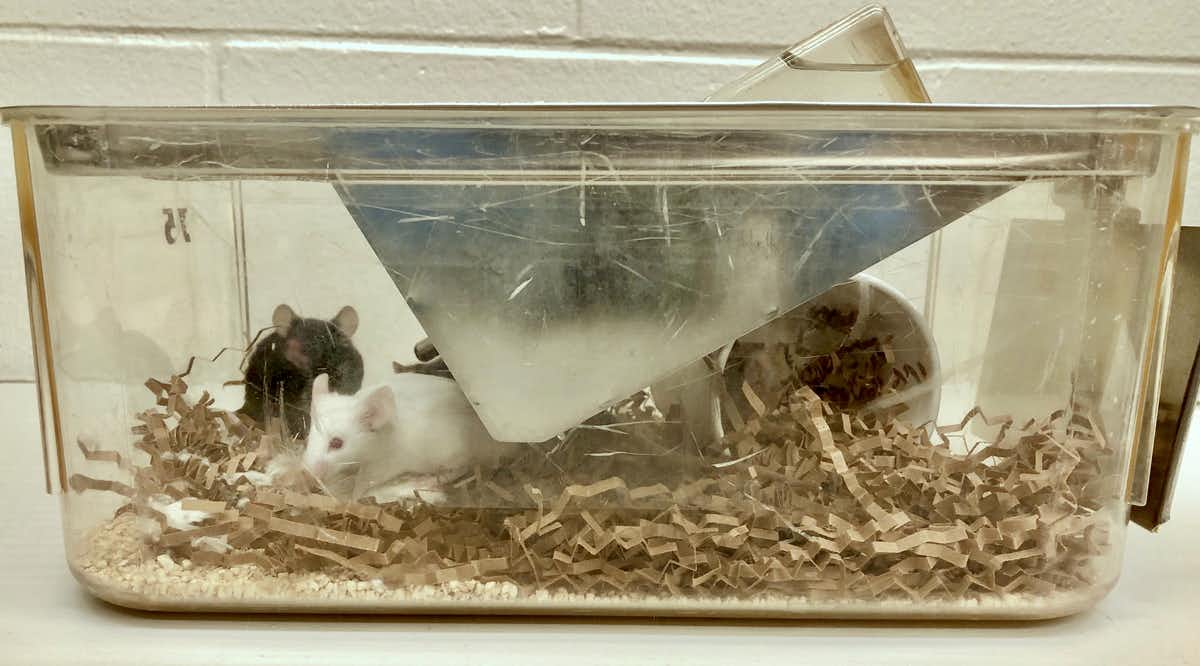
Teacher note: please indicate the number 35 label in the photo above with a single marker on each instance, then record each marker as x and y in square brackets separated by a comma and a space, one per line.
[176, 219]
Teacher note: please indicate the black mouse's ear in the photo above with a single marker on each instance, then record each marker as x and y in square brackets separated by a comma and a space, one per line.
[346, 320]
[283, 318]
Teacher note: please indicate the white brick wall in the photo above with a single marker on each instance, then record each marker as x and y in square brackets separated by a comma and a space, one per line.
[299, 51]
[1165, 29]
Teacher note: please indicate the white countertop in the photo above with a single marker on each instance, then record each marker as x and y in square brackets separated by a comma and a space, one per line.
[1152, 617]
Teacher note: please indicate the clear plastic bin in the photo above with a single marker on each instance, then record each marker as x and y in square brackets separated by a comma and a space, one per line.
[645, 359]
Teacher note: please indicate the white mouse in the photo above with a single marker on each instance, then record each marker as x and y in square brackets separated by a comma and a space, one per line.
[411, 433]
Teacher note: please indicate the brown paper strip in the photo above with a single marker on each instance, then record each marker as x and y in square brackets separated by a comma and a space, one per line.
[357, 567]
[79, 483]
[186, 536]
[208, 506]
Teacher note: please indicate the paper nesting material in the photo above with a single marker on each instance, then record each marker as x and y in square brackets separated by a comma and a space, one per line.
[804, 498]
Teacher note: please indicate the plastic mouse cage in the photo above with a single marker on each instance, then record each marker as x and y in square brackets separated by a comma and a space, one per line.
[742, 359]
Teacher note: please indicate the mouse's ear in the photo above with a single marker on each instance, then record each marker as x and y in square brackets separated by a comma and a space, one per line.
[346, 320]
[378, 408]
[283, 318]
[320, 386]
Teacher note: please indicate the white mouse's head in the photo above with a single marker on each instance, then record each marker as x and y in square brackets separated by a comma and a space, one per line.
[347, 432]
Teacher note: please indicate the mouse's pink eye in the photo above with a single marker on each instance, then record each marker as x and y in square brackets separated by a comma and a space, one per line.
[335, 443]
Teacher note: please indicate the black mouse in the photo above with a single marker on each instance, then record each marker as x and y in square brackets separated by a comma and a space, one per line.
[281, 369]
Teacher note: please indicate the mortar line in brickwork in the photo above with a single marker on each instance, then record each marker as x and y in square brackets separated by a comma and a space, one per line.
[492, 51]
[214, 60]
[1052, 58]
[750, 50]
[46, 35]
[531, 42]
[530, 36]
[526, 45]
